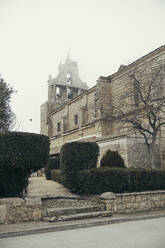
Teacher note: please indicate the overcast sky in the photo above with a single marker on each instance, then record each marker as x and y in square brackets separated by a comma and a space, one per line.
[100, 35]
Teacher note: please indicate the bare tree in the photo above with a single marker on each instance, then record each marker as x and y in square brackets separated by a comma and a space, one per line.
[7, 117]
[142, 106]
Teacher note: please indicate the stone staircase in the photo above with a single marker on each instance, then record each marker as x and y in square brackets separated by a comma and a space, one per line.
[71, 208]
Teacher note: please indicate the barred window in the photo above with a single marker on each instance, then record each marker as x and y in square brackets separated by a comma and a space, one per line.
[58, 126]
[75, 119]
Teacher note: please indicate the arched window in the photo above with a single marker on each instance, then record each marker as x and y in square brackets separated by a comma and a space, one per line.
[68, 78]
[57, 92]
[69, 93]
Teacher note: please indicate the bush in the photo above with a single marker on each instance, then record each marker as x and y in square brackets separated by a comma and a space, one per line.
[53, 163]
[21, 154]
[56, 176]
[100, 180]
[112, 159]
[119, 180]
[74, 157]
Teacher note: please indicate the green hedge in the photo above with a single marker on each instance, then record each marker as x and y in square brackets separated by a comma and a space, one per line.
[112, 159]
[56, 176]
[21, 154]
[100, 180]
[74, 157]
[53, 163]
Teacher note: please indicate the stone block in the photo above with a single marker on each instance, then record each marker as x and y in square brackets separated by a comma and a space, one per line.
[156, 198]
[109, 206]
[132, 199]
[136, 205]
[3, 214]
[121, 207]
[157, 204]
[12, 201]
[108, 196]
[118, 200]
[36, 214]
[33, 201]
[138, 198]
[129, 205]
[125, 199]
[144, 205]
[162, 197]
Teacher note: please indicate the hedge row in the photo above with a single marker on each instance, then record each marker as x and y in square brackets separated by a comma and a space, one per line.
[100, 180]
[74, 157]
[112, 159]
[20, 155]
[53, 163]
[57, 176]
[79, 173]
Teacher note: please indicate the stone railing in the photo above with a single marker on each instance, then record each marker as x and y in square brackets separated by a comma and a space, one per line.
[134, 202]
[14, 209]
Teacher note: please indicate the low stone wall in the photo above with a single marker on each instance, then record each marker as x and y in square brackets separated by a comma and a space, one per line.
[14, 209]
[134, 202]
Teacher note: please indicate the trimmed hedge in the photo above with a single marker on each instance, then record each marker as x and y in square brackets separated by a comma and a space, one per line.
[53, 163]
[20, 155]
[56, 176]
[100, 180]
[76, 156]
[112, 159]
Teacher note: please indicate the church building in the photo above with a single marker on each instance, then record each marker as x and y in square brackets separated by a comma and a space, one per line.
[74, 112]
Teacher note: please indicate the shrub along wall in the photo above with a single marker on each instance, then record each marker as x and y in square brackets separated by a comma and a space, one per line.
[112, 159]
[57, 176]
[20, 154]
[53, 163]
[76, 156]
[100, 180]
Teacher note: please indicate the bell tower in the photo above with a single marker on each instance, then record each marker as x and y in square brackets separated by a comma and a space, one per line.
[66, 85]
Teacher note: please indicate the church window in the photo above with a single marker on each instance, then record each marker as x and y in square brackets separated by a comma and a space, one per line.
[79, 92]
[57, 92]
[68, 77]
[58, 127]
[76, 119]
[69, 93]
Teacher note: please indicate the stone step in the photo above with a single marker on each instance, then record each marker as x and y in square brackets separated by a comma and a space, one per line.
[50, 212]
[66, 202]
[79, 216]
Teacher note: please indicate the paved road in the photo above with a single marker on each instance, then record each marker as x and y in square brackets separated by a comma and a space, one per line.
[136, 234]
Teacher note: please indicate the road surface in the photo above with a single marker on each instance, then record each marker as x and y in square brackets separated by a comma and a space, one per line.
[135, 234]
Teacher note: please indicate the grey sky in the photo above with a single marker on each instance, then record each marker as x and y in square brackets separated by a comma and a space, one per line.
[100, 34]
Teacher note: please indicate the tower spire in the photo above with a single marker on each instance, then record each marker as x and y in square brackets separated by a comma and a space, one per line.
[68, 54]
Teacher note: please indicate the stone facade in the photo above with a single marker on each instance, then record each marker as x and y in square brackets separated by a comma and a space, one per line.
[134, 202]
[14, 210]
[86, 114]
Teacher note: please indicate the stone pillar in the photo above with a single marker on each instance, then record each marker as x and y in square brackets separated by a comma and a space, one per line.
[109, 198]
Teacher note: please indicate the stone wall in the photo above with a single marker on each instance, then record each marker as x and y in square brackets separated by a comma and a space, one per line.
[14, 209]
[133, 151]
[117, 144]
[44, 118]
[88, 127]
[138, 155]
[134, 202]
